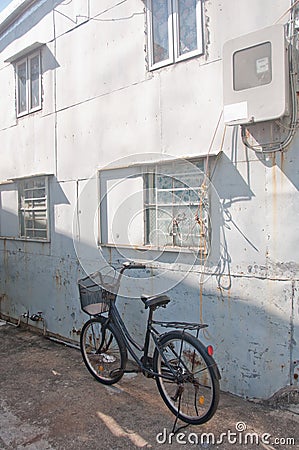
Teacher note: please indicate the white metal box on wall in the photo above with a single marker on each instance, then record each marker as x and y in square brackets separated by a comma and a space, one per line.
[255, 77]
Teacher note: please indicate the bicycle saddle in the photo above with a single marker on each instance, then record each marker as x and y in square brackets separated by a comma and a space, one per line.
[155, 300]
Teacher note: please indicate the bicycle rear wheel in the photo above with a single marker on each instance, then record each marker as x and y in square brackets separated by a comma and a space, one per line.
[190, 387]
[103, 350]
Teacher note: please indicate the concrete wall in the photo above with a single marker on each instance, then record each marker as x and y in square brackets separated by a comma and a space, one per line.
[100, 105]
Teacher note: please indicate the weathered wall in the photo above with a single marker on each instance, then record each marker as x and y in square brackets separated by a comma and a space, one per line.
[100, 104]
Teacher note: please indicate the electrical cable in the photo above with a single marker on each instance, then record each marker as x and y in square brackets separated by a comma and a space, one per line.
[287, 11]
[280, 146]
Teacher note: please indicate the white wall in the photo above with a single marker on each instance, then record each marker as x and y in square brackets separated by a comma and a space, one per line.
[101, 104]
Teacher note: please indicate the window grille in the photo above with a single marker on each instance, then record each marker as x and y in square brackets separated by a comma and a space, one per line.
[177, 207]
[166, 206]
[33, 208]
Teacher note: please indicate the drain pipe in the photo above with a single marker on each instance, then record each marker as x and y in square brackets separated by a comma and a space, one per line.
[61, 341]
[39, 318]
[22, 316]
[34, 317]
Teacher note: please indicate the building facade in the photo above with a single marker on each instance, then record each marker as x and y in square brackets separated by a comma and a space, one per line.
[116, 144]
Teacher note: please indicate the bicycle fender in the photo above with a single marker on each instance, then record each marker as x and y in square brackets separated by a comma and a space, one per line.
[214, 367]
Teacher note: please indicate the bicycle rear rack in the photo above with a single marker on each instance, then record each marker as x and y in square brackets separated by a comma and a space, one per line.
[180, 325]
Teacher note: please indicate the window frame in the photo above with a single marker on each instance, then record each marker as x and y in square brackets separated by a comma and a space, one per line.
[173, 35]
[145, 170]
[21, 209]
[152, 202]
[28, 86]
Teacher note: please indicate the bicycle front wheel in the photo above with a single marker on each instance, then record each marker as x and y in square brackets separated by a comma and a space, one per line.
[187, 383]
[103, 350]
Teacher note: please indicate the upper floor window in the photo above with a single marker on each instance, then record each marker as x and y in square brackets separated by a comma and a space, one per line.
[28, 84]
[175, 31]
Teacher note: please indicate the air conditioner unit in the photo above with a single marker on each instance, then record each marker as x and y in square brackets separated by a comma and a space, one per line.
[256, 77]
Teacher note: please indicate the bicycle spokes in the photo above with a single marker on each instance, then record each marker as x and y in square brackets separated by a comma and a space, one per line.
[103, 352]
[187, 382]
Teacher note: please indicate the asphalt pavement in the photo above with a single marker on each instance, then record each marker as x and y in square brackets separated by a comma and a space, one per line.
[48, 400]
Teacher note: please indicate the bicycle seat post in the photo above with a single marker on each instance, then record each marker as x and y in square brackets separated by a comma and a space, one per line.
[148, 334]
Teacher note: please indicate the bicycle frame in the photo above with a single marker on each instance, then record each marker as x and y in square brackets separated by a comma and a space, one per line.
[151, 332]
[178, 356]
[115, 317]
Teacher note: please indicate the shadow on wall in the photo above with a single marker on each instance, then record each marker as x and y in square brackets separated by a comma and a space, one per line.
[287, 161]
[49, 62]
[250, 334]
[230, 188]
[253, 337]
[28, 21]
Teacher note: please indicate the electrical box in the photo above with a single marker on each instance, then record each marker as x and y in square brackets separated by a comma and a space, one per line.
[256, 77]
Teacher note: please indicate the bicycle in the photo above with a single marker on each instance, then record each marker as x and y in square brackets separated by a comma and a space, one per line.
[185, 372]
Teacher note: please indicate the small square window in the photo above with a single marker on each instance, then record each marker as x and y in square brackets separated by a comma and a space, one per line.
[33, 208]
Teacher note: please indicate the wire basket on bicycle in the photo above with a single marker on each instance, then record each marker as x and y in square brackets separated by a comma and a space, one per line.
[96, 293]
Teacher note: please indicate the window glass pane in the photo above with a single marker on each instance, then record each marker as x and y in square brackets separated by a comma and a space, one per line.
[164, 197]
[150, 215]
[22, 80]
[187, 26]
[252, 67]
[177, 215]
[33, 208]
[34, 82]
[160, 36]
[41, 234]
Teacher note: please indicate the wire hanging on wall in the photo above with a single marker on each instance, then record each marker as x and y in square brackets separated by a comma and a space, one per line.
[291, 128]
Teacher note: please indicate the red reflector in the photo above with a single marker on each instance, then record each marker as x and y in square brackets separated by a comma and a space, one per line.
[210, 350]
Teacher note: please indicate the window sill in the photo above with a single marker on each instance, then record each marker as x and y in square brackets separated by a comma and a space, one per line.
[13, 238]
[145, 248]
[167, 63]
[29, 113]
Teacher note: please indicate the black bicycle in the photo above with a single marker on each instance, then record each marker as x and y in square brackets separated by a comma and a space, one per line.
[185, 372]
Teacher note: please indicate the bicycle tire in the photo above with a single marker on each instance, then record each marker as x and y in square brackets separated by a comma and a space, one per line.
[103, 350]
[192, 390]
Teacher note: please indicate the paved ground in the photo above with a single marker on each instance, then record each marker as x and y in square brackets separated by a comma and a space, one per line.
[49, 401]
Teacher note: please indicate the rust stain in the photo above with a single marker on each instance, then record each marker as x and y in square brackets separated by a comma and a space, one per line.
[281, 169]
[229, 301]
[58, 279]
[274, 195]
[192, 358]
[5, 256]
[282, 160]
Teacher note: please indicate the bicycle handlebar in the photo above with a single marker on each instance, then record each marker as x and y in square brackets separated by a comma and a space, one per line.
[132, 265]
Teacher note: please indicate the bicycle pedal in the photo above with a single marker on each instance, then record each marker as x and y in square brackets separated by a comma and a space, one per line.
[147, 374]
[137, 370]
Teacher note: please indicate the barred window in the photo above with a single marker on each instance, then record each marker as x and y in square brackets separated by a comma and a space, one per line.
[33, 208]
[177, 206]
